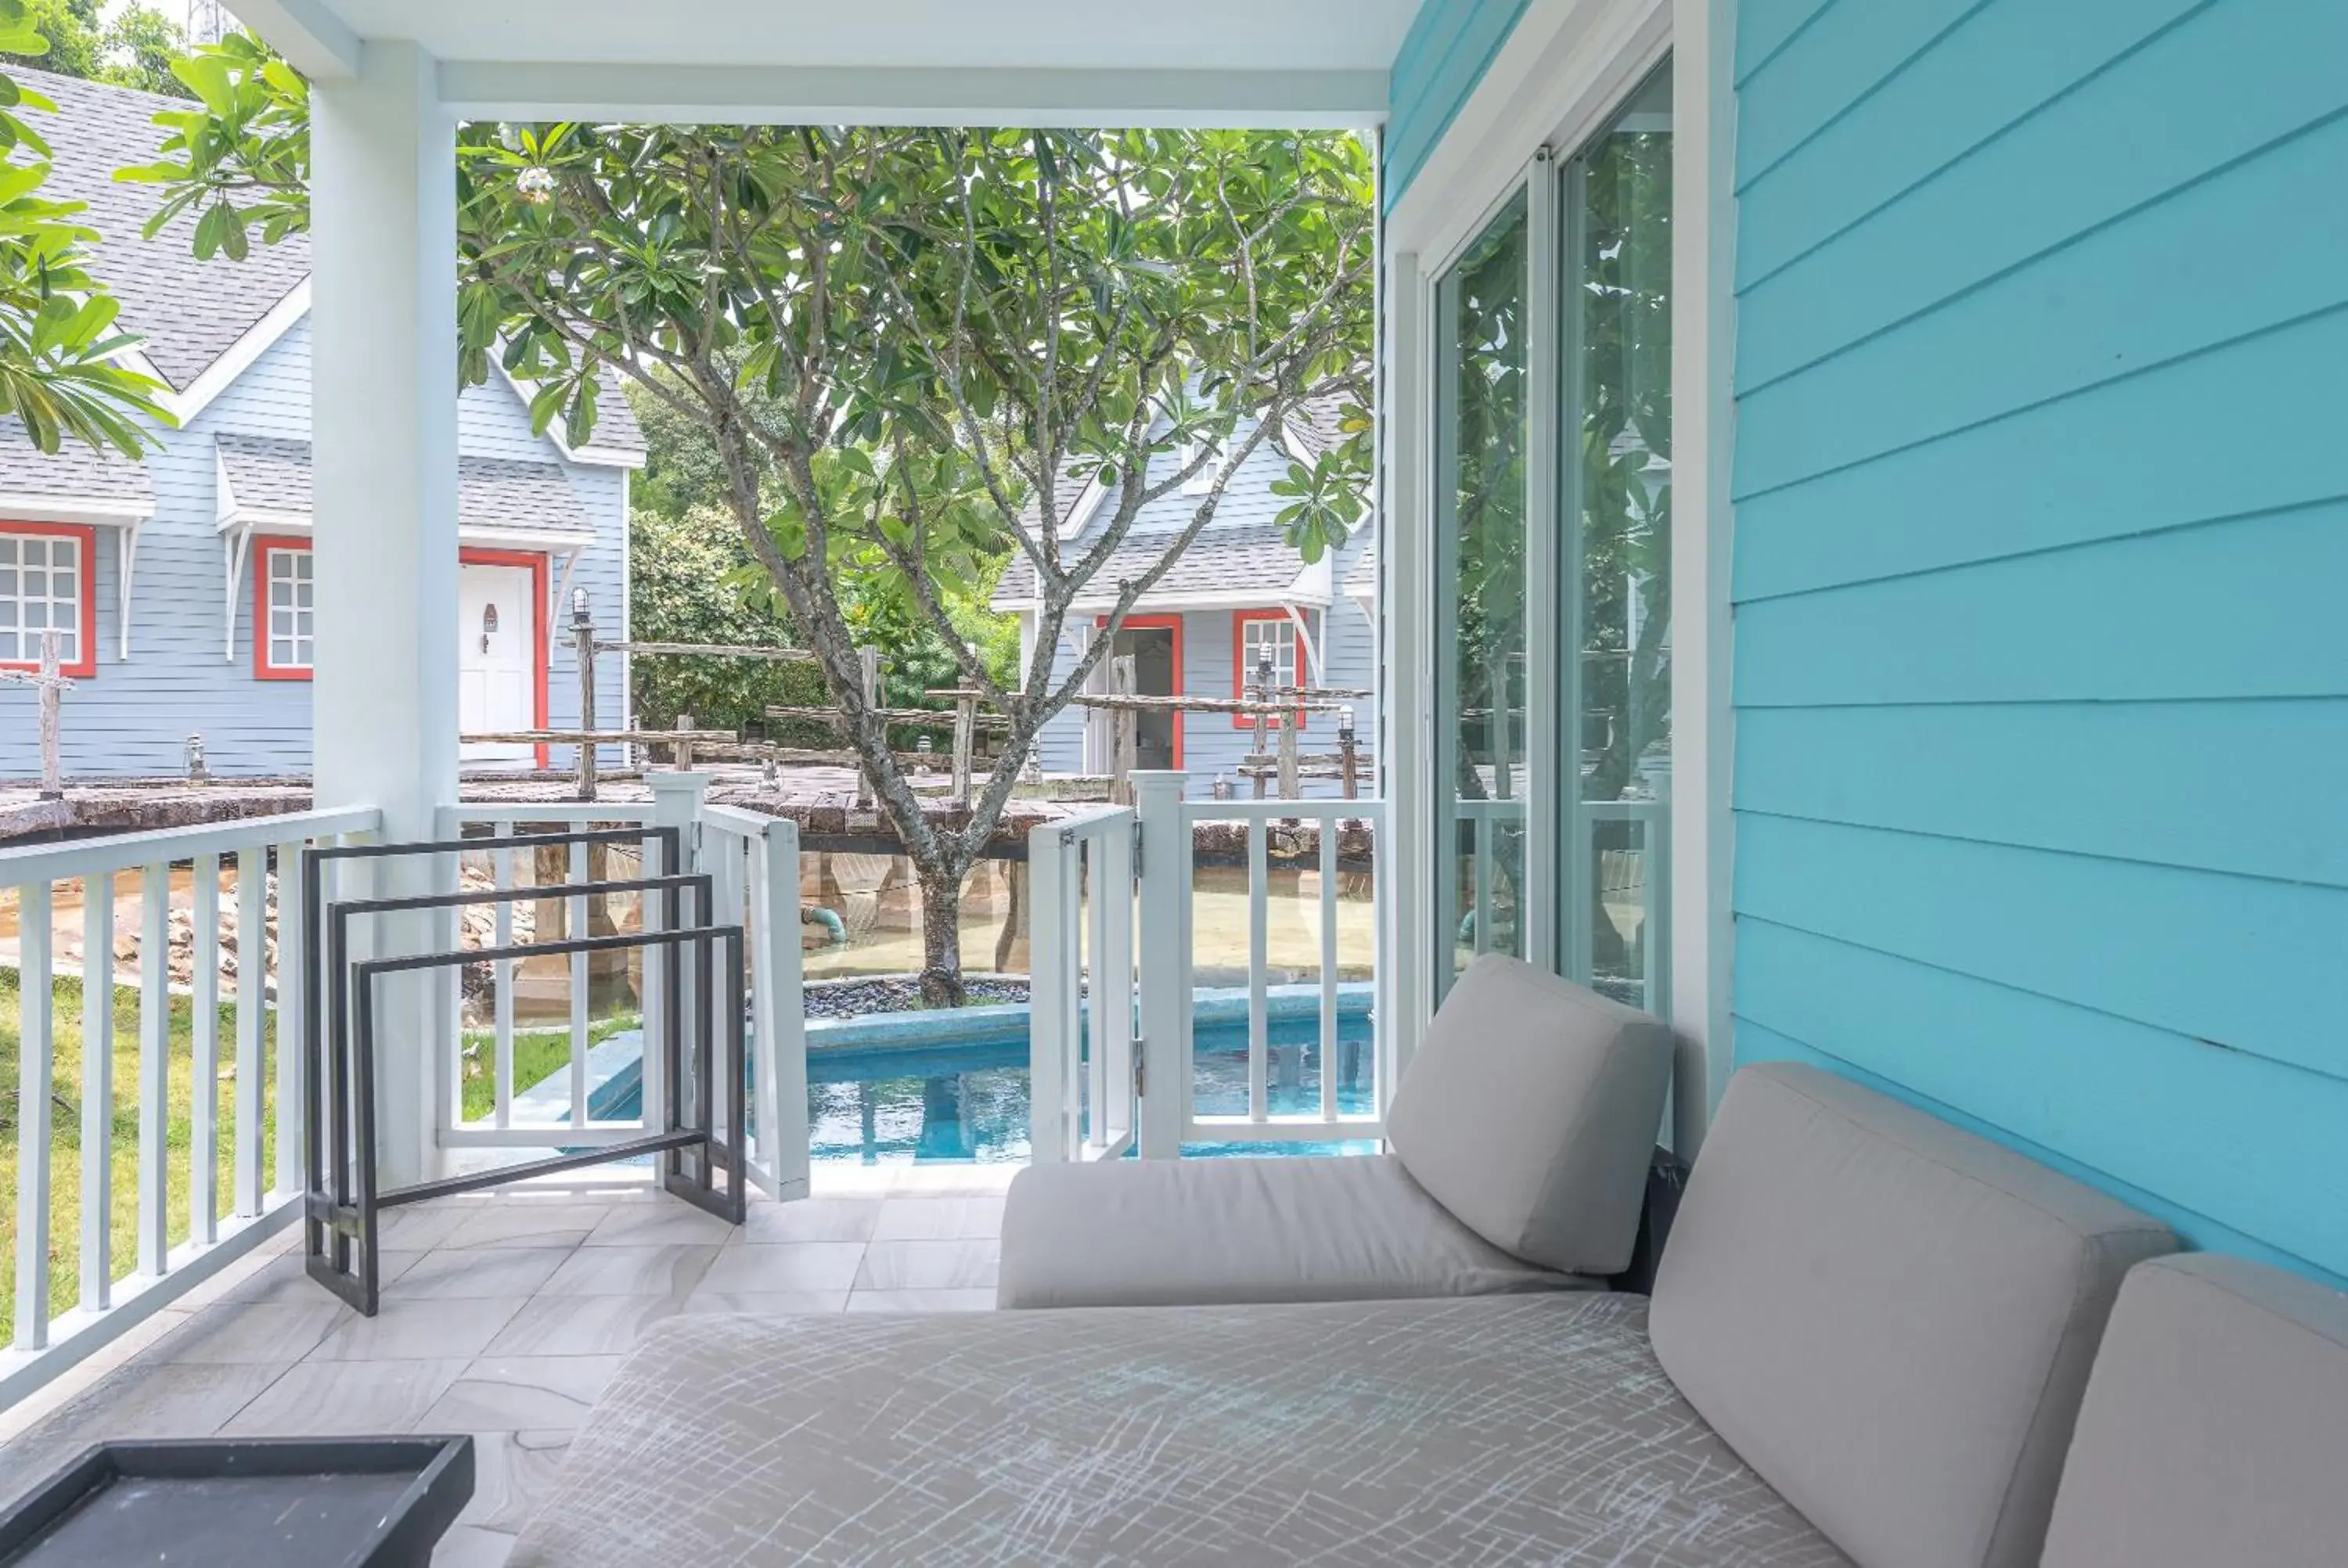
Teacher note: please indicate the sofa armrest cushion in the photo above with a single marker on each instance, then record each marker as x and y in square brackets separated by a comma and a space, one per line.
[1530, 1109]
[1887, 1317]
[1168, 1233]
[2216, 1425]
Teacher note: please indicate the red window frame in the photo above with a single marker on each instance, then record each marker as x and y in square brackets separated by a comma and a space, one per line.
[263, 547]
[535, 561]
[83, 667]
[1172, 623]
[1240, 620]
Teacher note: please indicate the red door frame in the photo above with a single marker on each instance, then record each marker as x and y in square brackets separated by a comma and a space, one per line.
[535, 561]
[85, 667]
[1172, 623]
[259, 548]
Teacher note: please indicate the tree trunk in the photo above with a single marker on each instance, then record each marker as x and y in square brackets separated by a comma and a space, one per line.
[942, 981]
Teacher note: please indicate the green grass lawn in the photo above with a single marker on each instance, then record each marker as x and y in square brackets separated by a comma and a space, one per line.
[65, 1144]
[538, 1054]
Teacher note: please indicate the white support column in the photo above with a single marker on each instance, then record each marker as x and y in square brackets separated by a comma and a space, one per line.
[1703, 218]
[1406, 750]
[1162, 961]
[383, 418]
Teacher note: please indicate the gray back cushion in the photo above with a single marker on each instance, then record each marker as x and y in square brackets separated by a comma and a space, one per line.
[1889, 1320]
[1530, 1109]
[2216, 1425]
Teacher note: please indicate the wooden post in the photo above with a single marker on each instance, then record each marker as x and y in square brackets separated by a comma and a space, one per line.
[1290, 788]
[965, 733]
[1125, 727]
[53, 772]
[1349, 762]
[1260, 691]
[869, 663]
[680, 756]
[583, 644]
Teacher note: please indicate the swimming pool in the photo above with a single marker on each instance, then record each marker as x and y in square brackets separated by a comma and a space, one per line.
[875, 1097]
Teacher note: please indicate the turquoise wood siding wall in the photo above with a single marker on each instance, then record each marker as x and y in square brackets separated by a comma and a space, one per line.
[2042, 545]
[1442, 58]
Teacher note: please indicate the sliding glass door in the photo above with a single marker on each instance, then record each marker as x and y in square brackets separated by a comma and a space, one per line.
[1552, 541]
[1481, 782]
[1615, 512]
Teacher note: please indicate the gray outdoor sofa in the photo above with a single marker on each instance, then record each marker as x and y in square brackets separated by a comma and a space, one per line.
[1868, 1342]
[1520, 1135]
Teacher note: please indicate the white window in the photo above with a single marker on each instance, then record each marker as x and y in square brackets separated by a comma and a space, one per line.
[40, 592]
[1261, 638]
[1199, 483]
[293, 610]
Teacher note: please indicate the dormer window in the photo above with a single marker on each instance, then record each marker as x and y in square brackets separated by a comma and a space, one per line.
[1199, 483]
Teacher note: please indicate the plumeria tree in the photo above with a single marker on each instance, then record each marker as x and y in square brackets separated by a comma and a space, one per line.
[915, 349]
[60, 370]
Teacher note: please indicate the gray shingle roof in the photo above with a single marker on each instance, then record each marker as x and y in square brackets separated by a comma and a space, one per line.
[1364, 578]
[267, 474]
[72, 473]
[1238, 562]
[273, 476]
[189, 312]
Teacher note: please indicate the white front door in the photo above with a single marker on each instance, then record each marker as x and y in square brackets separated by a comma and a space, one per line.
[497, 658]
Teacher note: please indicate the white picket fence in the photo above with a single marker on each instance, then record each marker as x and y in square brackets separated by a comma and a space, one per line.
[265, 1173]
[1112, 946]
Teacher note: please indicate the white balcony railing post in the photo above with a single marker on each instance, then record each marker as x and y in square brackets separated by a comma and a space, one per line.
[778, 1011]
[1053, 1006]
[677, 803]
[36, 1061]
[97, 1089]
[1163, 961]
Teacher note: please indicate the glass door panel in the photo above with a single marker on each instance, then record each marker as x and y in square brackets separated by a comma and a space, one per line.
[1616, 513]
[1481, 782]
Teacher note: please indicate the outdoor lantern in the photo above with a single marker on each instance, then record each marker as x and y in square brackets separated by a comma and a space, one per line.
[579, 606]
[1345, 726]
[197, 771]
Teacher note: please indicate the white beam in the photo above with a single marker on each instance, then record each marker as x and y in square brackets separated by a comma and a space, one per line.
[318, 43]
[744, 95]
[1704, 232]
[384, 438]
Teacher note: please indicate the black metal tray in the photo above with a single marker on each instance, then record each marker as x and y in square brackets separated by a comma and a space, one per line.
[262, 1502]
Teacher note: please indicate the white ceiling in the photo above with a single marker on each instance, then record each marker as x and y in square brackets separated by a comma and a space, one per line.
[1181, 35]
[1067, 61]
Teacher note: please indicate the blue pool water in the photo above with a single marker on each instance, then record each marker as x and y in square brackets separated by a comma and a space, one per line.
[889, 1103]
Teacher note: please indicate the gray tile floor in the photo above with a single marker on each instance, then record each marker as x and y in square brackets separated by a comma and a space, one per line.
[503, 1316]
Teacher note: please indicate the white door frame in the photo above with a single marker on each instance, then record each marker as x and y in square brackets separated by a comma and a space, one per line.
[1562, 73]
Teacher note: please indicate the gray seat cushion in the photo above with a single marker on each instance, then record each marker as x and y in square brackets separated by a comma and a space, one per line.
[1889, 1320]
[1501, 1431]
[1530, 1111]
[2216, 1425]
[1149, 1232]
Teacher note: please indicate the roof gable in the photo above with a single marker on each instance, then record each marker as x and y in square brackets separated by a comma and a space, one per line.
[189, 312]
[205, 323]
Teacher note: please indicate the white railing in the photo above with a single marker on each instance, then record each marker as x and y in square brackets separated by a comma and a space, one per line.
[1651, 863]
[1169, 826]
[1081, 1088]
[566, 1120]
[265, 1164]
[1487, 820]
[752, 861]
[1498, 843]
